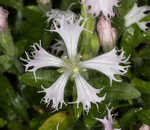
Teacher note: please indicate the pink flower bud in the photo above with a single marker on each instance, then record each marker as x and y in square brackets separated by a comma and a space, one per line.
[44, 2]
[107, 34]
[3, 19]
[144, 127]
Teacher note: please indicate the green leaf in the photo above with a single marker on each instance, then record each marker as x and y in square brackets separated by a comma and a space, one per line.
[128, 119]
[33, 16]
[6, 42]
[142, 86]
[11, 103]
[64, 119]
[44, 77]
[142, 70]
[12, 3]
[144, 116]
[125, 6]
[122, 91]
[5, 62]
[17, 125]
[132, 37]
[2, 122]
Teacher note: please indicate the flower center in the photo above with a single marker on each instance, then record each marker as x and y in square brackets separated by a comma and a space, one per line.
[71, 66]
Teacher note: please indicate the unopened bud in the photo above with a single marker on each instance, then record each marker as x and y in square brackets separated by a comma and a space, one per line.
[144, 127]
[3, 19]
[44, 2]
[45, 5]
[107, 34]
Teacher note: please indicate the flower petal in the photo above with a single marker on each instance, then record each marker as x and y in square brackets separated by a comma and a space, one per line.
[108, 123]
[55, 92]
[58, 14]
[135, 15]
[40, 59]
[86, 94]
[69, 29]
[98, 6]
[109, 64]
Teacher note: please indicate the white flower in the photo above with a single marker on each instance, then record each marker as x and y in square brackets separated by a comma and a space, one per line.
[107, 121]
[106, 33]
[70, 31]
[135, 15]
[95, 7]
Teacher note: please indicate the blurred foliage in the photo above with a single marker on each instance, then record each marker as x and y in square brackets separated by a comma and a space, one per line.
[20, 102]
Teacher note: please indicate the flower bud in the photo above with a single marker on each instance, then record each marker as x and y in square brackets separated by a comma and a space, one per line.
[144, 127]
[107, 34]
[3, 19]
[44, 2]
[45, 5]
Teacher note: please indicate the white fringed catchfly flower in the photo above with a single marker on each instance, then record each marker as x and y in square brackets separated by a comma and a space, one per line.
[107, 121]
[135, 15]
[95, 7]
[70, 29]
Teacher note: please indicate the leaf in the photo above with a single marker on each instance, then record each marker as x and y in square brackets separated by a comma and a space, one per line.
[11, 103]
[125, 6]
[33, 16]
[143, 70]
[12, 3]
[5, 62]
[64, 119]
[128, 119]
[144, 116]
[44, 77]
[122, 91]
[17, 125]
[6, 42]
[142, 86]
[132, 37]
[2, 122]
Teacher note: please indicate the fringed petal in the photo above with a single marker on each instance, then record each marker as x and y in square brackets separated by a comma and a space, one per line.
[108, 123]
[109, 63]
[69, 29]
[135, 15]
[95, 7]
[40, 58]
[55, 92]
[86, 94]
